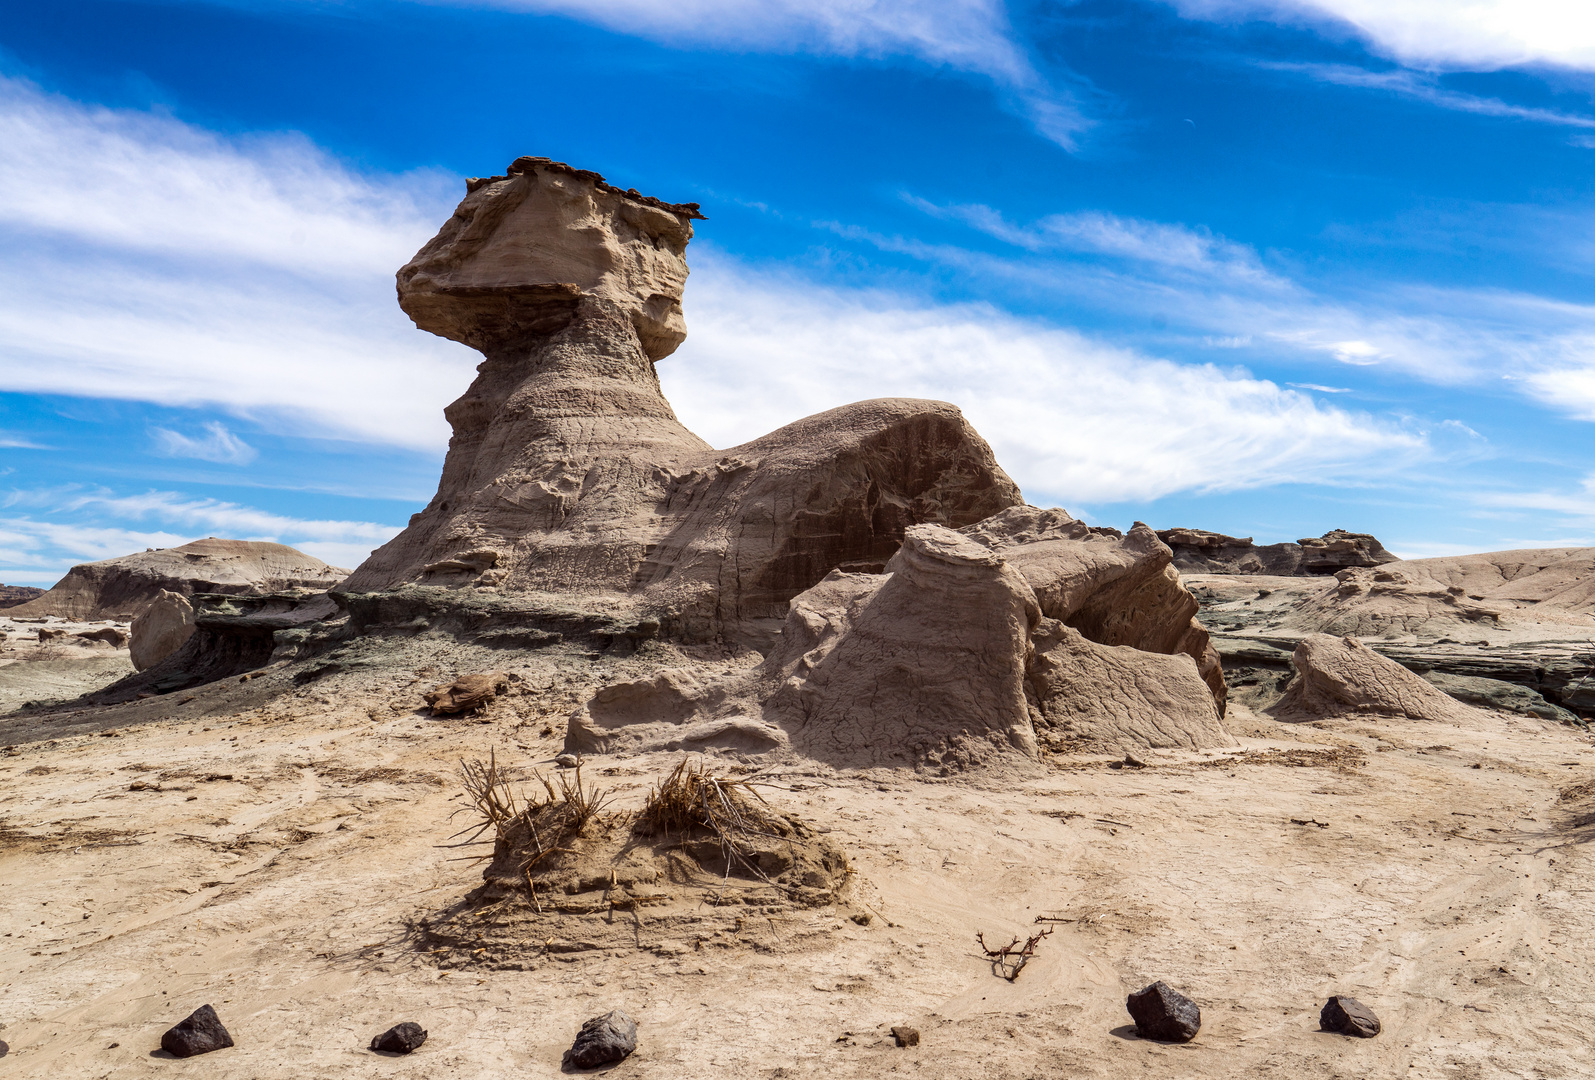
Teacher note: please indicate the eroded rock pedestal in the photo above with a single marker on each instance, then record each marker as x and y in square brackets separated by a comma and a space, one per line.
[568, 474]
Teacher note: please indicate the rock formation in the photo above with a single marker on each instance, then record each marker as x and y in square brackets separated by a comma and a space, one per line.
[13, 595]
[161, 629]
[947, 659]
[569, 475]
[121, 588]
[1197, 551]
[1338, 677]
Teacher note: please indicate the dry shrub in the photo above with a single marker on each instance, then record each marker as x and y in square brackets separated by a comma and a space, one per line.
[690, 798]
[560, 813]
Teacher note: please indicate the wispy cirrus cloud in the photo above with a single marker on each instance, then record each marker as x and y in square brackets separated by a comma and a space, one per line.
[1425, 87]
[218, 444]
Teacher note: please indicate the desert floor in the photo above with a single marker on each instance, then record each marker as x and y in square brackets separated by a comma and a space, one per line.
[268, 848]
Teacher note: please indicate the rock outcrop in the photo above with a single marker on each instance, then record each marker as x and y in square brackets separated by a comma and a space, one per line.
[569, 475]
[13, 595]
[1341, 677]
[121, 588]
[161, 629]
[1197, 551]
[946, 660]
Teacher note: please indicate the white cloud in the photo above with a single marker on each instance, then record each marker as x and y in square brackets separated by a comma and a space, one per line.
[217, 444]
[1470, 34]
[966, 35]
[1071, 419]
[187, 270]
[1423, 87]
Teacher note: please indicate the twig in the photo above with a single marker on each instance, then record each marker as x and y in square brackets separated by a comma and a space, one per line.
[1012, 954]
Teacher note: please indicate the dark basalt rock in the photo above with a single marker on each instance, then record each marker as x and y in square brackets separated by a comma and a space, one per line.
[603, 1040]
[201, 1033]
[400, 1039]
[1349, 1016]
[1163, 1013]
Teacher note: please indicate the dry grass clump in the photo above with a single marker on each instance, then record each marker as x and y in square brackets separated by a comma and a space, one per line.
[691, 798]
[561, 812]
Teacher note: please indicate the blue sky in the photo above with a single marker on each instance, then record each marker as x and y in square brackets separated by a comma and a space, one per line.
[1267, 267]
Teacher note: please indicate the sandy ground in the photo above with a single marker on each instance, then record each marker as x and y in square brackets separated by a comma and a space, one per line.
[271, 854]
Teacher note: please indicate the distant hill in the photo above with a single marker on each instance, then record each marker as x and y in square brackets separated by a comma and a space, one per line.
[12, 595]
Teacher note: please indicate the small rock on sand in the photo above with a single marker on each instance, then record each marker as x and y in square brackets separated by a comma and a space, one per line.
[1348, 1016]
[400, 1038]
[201, 1033]
[1163, 1013]
[906, 1036]
[603, 1040]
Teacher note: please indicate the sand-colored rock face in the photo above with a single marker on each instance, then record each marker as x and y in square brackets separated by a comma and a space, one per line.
[1338, 676]
[569, 473]
[121, 588]
[161, 629]
[944, 660]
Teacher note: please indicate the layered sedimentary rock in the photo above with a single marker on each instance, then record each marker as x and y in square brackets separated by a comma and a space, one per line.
[121, 588]
[13, 595]
[946, 659]
[1340, 676]
[568, 473]
[1197, 551]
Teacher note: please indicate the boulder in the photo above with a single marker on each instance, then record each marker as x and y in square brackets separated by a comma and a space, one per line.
[603, 1040]
[1348, 1016]
[1338, 677]
[402, 1038]
[114, 637]
[568, 472]
[1163, 1013]
[1197, 551]
[121, 588]
[161, 629]
[468, 693]
[905, 1036]
[201, 1033]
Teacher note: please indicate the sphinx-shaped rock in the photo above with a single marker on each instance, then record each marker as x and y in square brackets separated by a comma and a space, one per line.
[568, 472]
[944, 660]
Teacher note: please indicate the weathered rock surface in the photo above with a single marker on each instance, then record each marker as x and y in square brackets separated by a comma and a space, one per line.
[944, 660]
[1343, 677]
[121, 588]
[113, 636]
[1497, 694]
[201, 1033]
[603, 1040]
[1116, 589]
[161, 629]
[1197, 551]
[13, 595]
[1160, 1012]
[402, 1038]
[468, 693]
[569, 474]
[1348, 1016]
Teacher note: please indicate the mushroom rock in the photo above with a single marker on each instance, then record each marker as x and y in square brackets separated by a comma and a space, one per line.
[944, 659]
[568, 472]
[1337, 677]
[123, 587]
[1114, 589]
